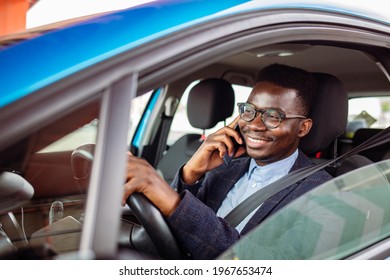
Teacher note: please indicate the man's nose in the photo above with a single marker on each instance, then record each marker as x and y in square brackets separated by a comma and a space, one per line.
[257, 123]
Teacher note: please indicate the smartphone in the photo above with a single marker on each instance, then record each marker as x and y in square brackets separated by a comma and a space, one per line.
[226, 158]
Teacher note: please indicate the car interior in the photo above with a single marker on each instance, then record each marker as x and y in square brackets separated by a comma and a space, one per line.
[343, 73]
[214, 97]
[351, 81]
[59, 176]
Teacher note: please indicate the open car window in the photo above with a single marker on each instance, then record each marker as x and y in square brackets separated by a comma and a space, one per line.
[333, 221]
[181, 125]
[88, 132]
[43, 199]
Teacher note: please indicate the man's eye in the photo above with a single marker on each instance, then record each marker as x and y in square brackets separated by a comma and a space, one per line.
[272, 116]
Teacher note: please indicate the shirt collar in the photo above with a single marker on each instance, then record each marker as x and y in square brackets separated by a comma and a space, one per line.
[278, 168]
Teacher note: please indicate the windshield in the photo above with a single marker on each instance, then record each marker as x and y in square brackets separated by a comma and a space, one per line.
[333, 221]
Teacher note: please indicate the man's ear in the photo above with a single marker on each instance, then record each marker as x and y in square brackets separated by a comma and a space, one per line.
[306, 125]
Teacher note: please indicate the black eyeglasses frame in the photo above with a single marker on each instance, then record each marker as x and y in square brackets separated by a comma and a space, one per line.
[282, 116]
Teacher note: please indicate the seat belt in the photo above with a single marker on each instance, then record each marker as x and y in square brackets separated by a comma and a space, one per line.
[242, 210]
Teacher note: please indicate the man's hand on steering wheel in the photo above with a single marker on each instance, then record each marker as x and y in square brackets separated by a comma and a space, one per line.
[141, 177]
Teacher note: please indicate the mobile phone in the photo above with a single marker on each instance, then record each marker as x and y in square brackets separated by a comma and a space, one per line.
[227, 158]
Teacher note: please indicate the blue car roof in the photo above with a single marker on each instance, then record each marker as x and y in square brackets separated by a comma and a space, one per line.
[60, 53]
[57, 54]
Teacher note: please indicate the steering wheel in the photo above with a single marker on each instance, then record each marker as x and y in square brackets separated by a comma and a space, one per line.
[146, 213]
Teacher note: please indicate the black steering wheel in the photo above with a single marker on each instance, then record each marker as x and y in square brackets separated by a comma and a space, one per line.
[146, 213]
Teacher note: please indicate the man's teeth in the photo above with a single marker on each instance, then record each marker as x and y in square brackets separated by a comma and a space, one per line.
[255, 140]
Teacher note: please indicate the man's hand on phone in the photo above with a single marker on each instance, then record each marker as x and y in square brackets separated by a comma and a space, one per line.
[211, 153]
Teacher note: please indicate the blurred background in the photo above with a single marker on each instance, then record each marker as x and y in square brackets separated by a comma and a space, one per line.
[18, 15]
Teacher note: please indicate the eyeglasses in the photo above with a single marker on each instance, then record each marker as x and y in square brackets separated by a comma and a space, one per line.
[270, 117]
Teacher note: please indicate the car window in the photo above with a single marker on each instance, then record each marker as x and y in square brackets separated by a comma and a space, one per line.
[87, 133]
[333, 221]
[181, 125]
[368, 112]
[42, 188]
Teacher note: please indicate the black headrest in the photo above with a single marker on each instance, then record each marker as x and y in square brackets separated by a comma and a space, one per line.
[209, 102]
[329, 113]
[363, 134]
[375, 154]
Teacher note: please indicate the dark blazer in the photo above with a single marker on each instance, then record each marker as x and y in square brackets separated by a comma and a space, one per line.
[202, 234]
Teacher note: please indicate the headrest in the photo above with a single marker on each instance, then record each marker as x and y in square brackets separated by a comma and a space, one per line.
[209, 102]
[363, 134]
[81, 163]
[375, 154]
[14, 191]
[329, 113]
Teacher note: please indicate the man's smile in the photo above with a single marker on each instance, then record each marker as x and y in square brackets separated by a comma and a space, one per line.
[257, 142]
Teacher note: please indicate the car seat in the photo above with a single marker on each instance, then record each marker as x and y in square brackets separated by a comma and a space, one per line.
[330, 116]
[209, 102]
[376, 154]
[350, 163]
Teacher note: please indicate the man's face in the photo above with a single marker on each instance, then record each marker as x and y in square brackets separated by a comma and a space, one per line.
[269, 145]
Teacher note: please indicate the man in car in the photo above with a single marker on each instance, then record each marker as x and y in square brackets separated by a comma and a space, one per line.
[205, 189]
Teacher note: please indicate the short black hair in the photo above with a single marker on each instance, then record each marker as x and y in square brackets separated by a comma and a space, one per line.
[294, 78]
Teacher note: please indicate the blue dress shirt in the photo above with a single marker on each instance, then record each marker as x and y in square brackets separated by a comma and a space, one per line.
[254, 179]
